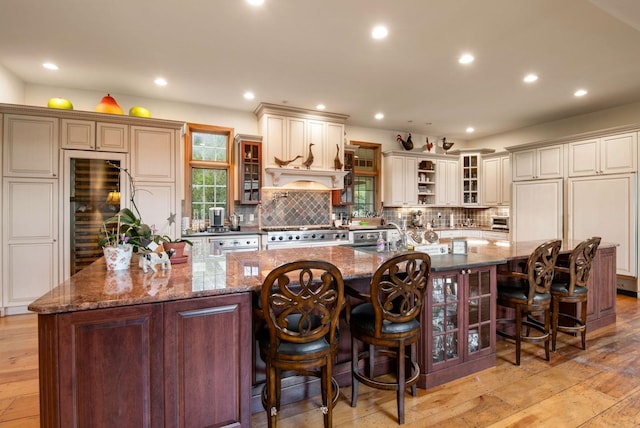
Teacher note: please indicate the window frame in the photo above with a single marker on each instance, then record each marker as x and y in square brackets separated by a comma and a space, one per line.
[376, 173]
[189, 163]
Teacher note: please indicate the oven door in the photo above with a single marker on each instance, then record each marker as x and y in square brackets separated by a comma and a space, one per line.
[220, 245]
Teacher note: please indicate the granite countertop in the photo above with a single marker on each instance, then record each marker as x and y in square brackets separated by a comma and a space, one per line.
[94, 287]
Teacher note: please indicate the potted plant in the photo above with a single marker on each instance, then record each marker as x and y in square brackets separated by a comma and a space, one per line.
[122, 235]
[177, 245]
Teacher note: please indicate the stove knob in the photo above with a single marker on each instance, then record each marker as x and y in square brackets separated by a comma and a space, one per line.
[273, 238]
[290, 237]
[313, 236]
[322, 236]
[297, 236]
[280, 238]
[248, 242]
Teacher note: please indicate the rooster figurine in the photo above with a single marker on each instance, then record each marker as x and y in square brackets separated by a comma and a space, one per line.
[282, 163]
[307, 163]
[429, 145]
[337, 163]
[408, 144]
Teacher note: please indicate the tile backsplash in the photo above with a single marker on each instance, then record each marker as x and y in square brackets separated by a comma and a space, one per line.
[295, 208]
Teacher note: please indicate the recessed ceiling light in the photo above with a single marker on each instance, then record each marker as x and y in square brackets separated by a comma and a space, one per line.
[249, 95]
[379, 32]
[466, 59]
[379, 116]
[321, 107]
[470, 129]
[580, 93]
[50, 66]
[530, 78]
[160, 81]
[255, 2]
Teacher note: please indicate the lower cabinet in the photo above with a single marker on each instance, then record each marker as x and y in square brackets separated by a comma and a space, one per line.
[177, 364]
[459, 318]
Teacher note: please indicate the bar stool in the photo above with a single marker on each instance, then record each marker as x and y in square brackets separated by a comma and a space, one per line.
[301, 302]
[389, 319]
[569, 287]
[528, 294]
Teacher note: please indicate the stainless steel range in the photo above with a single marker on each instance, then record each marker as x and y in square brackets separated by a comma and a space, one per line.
[306, 237]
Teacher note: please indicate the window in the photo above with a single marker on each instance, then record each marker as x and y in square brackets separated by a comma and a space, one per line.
[366, 178]
[208, 154]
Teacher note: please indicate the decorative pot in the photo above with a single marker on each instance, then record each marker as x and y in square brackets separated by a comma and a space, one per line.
[118, 258]
[177, 246]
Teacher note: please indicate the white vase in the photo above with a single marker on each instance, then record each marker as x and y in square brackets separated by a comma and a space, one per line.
[118, 258]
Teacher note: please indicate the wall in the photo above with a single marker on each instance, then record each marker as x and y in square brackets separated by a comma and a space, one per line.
[242, 122]
[618, 116]
[11, 88]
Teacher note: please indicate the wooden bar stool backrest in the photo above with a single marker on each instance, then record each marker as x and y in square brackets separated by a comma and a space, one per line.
[398, 288]
[580, 263]
[541, 268]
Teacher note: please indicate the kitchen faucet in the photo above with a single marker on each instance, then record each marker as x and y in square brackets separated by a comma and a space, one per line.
[406, 237]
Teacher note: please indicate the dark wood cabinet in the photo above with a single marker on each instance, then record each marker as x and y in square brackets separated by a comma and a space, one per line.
[601, 300]
[177, 364]
[207, 350]
[459, 318]
[249, 168]
[344, 196]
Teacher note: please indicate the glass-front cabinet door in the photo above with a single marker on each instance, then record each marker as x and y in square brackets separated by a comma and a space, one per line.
[446, 321]
[250, 171]
[470, 179]
[479, 309]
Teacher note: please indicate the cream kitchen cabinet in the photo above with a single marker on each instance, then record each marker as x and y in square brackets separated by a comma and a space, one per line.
[30, 245]
[538, 163]
[30, 146]
[153, 153]
[89, 135]
[157, 205]
[400, 180]
[289, 132]
[447, 182]
[613, 154]
[470, 164]
[496, 180]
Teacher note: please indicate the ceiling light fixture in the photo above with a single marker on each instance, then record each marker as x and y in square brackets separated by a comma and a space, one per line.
[379, 32]
[249, 95]
[379, 116]
[255, 2]
[466, 59]
[160, 81]
[470, 129]
[321, 107]
[530, 78]
[50, 66]
[580, 93]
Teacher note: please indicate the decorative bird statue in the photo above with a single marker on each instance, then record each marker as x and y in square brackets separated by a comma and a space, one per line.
[282, 163]
[337, 163]
[429, 145]
[307, 163]
[408, 144]
[445, 145]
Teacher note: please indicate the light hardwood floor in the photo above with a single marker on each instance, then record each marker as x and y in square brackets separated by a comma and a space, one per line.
[599, 387]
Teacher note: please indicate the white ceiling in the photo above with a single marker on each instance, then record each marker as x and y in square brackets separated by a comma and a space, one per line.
[303, 52]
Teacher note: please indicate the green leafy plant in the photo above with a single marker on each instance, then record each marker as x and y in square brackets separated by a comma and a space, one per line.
[126, 228]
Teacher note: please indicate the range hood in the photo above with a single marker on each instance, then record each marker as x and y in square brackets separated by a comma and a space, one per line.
[304, 178]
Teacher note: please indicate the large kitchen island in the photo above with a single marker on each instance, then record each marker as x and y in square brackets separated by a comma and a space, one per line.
[175, 348]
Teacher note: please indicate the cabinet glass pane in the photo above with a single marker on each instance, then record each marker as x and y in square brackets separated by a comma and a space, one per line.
[485, 336]
[451, 345]
[485, 309]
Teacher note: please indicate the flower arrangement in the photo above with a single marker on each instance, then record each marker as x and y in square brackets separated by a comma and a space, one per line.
[126, 228]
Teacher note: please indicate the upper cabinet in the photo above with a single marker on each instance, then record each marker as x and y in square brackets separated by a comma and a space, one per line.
[447, 182]
[90, 135]
[496, 180]
[400, 186]
[249, 168]
[153, 153]
[537, 164]
[608, 155]
[300, 138]
[470, 179]
[30, 146]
